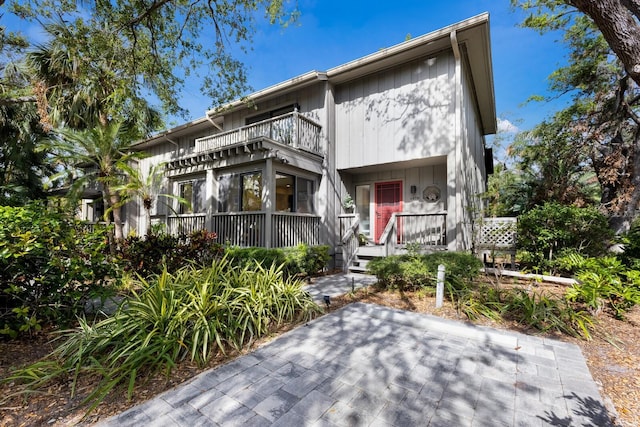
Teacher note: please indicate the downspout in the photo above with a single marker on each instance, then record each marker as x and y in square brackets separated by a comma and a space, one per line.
[456, 199]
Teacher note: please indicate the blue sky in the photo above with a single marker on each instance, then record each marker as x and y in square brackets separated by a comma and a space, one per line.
[333, 32]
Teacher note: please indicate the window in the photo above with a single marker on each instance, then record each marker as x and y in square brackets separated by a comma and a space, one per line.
[285, 189]
[293, 194]
[193, 192]
[363, 200]
[304, 192]
[240, 192]
[270, 114]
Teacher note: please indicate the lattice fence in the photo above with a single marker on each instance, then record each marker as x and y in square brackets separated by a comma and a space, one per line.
[497, 237]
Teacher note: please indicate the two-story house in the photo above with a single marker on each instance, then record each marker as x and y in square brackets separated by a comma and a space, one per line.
[400, 132]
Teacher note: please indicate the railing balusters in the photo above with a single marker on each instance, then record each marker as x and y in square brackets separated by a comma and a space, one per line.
[291, 129]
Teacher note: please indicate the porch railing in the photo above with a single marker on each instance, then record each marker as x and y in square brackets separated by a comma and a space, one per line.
[291, 129]
[240, 229]
[429, 231]
[249, 228]
[349, 240]
[288, 229]
[186, 224]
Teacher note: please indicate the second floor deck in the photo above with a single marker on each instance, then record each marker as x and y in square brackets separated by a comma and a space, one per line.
[292, 129]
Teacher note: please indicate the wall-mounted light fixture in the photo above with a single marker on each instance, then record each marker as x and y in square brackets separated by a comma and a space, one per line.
[414, 189]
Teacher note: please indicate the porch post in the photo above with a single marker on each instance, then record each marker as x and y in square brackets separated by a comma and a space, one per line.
[211, 188]
[268, 198]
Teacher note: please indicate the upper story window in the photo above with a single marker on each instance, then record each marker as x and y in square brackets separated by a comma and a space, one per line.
[193, 193]
[273, 113]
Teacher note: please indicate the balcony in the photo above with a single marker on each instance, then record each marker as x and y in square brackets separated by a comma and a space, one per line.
[293, 129]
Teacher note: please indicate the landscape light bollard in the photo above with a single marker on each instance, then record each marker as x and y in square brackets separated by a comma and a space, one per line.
[327, 300]
[440, 286]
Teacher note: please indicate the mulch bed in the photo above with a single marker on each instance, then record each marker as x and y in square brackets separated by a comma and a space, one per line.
[613, 357]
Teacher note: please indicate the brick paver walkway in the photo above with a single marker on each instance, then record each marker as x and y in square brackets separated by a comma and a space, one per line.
[367, 365]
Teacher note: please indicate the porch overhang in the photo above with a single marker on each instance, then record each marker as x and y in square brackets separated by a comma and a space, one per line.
[253, 151]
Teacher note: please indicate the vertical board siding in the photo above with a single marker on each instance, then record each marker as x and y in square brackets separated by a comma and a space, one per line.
[400, 114]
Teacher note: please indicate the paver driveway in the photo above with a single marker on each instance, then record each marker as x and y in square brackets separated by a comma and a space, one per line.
[367, 365]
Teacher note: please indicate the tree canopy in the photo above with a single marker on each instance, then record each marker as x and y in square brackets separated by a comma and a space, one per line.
[135, 49]
[599, 133]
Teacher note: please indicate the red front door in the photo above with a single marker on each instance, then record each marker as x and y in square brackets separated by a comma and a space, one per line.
[388, 199]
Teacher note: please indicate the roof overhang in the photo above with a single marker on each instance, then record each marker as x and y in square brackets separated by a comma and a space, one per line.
[170, 135]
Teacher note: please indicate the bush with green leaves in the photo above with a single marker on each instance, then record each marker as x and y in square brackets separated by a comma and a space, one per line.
[414, 271]
[545, 231]
[193, 314]
[301, 260]
[475, 299]
[631, 242]
[149, 254]
[48, 268]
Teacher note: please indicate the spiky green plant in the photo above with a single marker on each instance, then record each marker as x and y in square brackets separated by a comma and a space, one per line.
[194, 314]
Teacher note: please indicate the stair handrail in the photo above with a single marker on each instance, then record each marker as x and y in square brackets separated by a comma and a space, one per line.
[389, 231]
[350, 243]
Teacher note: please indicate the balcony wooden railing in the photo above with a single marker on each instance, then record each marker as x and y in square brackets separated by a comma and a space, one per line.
[240, 229]
[427, 230]
[291, 129]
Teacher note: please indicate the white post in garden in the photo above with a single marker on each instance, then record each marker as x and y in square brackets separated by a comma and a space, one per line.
[440, 286]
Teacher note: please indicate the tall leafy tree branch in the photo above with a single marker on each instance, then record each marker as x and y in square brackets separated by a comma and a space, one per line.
[601, 128]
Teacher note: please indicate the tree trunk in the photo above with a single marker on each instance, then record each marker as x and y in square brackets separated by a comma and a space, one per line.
[117, 216]
[615, 19]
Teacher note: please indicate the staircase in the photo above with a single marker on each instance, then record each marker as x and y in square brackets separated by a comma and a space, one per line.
[364, 254]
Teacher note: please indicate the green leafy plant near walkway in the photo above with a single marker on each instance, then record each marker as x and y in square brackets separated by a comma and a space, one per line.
[48, 268]
[475, 298]
[192, 314]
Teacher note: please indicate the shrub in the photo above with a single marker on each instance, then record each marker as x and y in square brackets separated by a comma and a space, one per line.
[48, 269]
[410, 272]
[194, 313]
[631, 242]
[150, 254]
[301, 260]
[546, 230]
[605, 283]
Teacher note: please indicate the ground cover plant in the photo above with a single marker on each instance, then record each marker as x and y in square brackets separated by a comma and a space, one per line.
[192, 314]
[603, 284]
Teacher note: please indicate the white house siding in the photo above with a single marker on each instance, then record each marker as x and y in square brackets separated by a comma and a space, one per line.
[400, 114]
[472, 172]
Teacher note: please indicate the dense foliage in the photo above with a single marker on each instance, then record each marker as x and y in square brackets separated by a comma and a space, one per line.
[48, 269]
[192, 314]
[414, 271]
[595, 139]
[301, 260]
[547, 230]
[150, 254]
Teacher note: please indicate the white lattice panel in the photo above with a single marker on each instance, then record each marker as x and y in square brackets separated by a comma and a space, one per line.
[497, 233]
